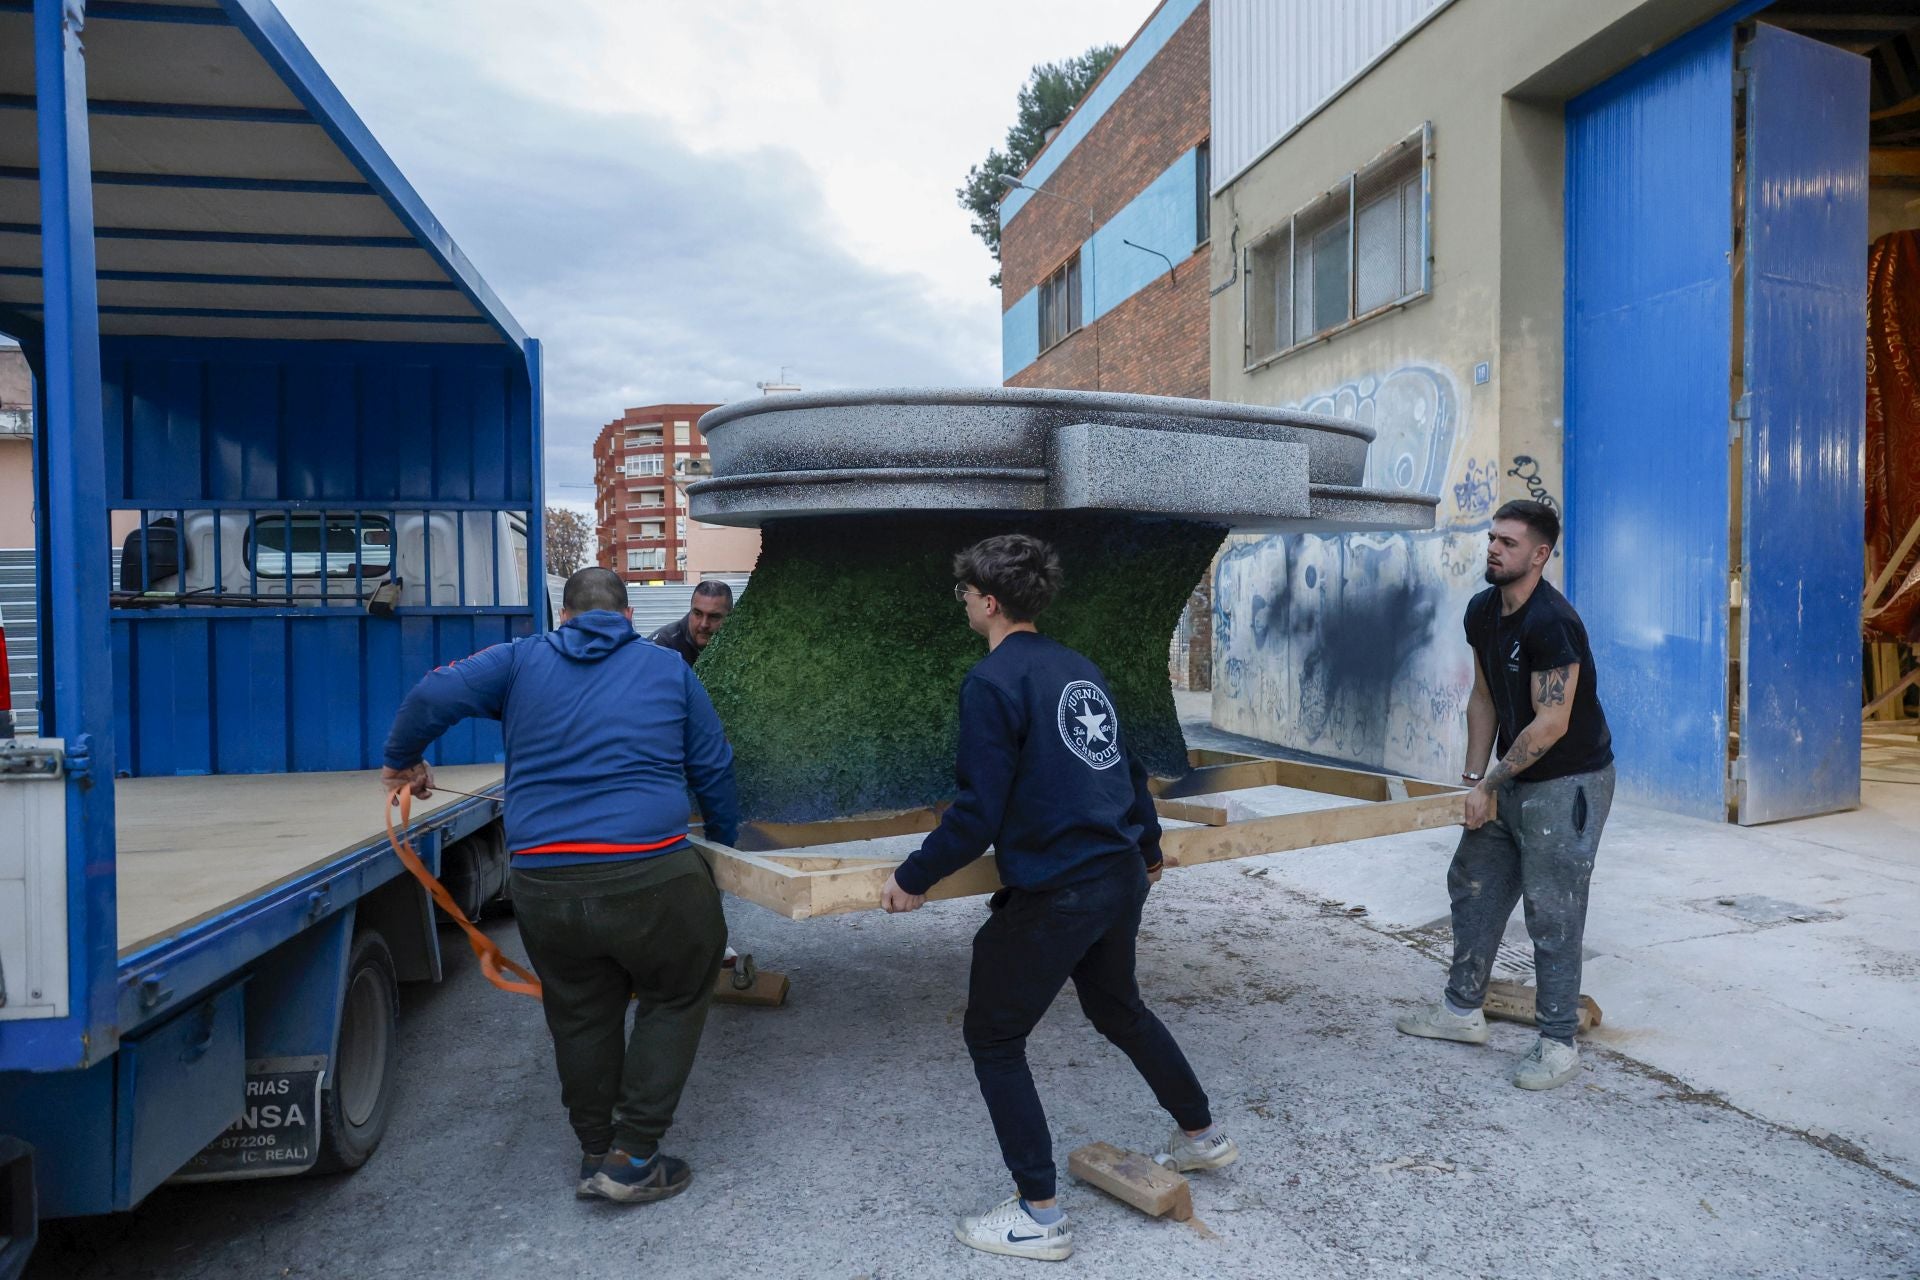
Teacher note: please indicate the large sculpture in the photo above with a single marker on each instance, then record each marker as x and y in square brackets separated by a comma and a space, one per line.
[838, 674]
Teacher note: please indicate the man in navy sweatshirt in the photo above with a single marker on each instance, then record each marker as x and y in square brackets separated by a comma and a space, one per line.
[1045, 777]
[604, 732]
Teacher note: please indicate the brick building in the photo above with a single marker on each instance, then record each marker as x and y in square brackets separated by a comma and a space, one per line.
[1104, 267]
[641, 516]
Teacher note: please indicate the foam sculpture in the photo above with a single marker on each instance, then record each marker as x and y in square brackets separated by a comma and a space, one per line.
[838, 675]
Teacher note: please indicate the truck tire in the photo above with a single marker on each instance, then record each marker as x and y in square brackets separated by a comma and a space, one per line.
[358, 1099]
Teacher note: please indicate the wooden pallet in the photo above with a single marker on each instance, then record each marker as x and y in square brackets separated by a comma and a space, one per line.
[776, 866]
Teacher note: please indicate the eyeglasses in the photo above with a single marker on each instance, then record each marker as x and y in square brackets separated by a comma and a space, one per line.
[961, 592]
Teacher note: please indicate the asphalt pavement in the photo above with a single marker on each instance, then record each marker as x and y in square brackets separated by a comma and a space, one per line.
[839, 1136]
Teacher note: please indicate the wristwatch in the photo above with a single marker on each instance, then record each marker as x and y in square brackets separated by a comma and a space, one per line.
[1472, 777]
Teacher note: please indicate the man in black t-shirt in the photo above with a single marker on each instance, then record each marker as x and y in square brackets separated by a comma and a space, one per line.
[1533, 821]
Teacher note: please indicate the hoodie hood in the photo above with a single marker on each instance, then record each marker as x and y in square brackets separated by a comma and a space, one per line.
[592, 635]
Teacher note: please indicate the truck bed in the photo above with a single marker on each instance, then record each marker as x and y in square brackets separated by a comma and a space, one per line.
[190, 848]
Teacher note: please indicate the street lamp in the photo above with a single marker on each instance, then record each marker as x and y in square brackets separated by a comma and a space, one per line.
[1093, 276]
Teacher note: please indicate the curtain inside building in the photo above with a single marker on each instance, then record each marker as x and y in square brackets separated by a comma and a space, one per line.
[1893, 434]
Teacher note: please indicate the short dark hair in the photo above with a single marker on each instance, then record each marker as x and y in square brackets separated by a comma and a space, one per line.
[1017, 569]
[712, 588]
[594, 588]
[1537, 516]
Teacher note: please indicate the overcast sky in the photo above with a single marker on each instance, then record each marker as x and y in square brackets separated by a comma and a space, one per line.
[679, 199]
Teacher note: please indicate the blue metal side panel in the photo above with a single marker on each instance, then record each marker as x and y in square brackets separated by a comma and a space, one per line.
[1162, 216]
[1020, 334]
[406, 427]
[1649, 340]
[77, 691]
[1802, 501]
[68, 1117]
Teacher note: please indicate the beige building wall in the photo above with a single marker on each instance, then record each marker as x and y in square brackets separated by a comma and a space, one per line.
[718, 549]
[16, 449]
[1351, 646]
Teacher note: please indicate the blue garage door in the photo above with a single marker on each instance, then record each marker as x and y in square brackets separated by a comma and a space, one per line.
[1649, 347]
[1804, 356]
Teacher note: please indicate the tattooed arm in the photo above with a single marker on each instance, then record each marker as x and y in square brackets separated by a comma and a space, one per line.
[1552, 705]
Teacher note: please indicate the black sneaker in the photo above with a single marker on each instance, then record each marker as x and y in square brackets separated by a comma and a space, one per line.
[589, 1165]
[628, 1180]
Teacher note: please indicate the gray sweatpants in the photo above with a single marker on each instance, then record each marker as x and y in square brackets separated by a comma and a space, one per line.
[1540, 847]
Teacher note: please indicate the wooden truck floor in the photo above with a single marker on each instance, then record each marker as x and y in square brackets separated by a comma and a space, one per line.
[189, 848]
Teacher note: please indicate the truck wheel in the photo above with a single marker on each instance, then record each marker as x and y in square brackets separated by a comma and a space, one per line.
[358, 1099]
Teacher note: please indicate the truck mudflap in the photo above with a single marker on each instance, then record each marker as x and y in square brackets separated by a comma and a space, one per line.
[279, 1132]
[19, 1215]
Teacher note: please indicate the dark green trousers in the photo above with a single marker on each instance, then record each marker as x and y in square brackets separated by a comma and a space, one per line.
[598, 935]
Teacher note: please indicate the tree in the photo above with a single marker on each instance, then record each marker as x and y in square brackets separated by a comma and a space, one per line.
[569, 541]
[1049, 96]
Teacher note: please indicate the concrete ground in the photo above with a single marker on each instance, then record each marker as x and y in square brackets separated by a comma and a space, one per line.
[1746, 1109]
[1770, 966]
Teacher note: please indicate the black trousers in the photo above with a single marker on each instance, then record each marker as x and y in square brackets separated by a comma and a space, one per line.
[650, 931]
[1027, 950]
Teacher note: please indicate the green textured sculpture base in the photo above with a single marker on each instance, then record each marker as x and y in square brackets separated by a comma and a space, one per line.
[838, 677]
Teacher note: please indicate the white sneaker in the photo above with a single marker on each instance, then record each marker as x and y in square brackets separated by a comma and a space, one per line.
[1184, 1153]
[1437, 1022]
[1551, 1064]
[1007, 1228]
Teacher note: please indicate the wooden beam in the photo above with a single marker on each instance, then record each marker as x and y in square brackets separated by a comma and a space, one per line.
[1133, 1178]
[1207, 815]
[1887, 570]
[760, 837]
[1208, 779]
[1191, 846]
[1900, 687]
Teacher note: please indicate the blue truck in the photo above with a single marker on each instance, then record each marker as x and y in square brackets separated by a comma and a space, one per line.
[288, 459]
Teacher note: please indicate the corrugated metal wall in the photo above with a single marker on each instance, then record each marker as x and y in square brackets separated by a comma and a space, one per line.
[1276, 62]
[240, 690]
[1649, 339]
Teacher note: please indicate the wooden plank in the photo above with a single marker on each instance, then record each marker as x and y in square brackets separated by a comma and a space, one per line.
[1514, 1002]
[1888, 697]
[187, 849]
[832, 893]
[760, 837]
[1133, 1178]
[1207, 815]
[767, 990]
[1191, 846]
[1356, 784]
[1208, 779]
[1887, 570]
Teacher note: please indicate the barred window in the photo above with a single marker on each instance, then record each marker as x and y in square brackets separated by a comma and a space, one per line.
[1060, 303]
[1356, 250]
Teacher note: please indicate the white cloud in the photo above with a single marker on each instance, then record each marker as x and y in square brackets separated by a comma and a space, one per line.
[680, 199]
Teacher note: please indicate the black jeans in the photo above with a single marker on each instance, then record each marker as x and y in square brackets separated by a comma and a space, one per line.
[649, 930]
[1022, 956]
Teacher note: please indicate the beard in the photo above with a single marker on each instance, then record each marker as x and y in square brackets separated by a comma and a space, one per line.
[1501, 577]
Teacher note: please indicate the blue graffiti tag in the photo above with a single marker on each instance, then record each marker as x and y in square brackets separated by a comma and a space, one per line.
[1474, 494]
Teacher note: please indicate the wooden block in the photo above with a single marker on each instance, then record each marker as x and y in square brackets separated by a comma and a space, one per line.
[1134, 1178]
[1514, 1002]
[769, 989]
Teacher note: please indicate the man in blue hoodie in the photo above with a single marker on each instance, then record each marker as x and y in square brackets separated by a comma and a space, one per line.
[604, 732]
[1045, 777]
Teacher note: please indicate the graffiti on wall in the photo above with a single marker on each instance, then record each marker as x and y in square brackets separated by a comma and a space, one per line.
[1350, 646]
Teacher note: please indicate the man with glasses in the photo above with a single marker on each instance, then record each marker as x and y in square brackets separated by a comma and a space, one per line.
[1046, 779]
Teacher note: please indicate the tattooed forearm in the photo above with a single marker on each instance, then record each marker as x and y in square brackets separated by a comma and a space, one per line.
[1532, 743]
[1550, 687]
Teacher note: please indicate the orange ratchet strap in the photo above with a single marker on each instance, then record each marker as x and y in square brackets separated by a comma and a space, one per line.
[492, 958]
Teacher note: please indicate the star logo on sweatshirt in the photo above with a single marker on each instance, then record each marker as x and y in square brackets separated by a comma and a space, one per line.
[1088, 726]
